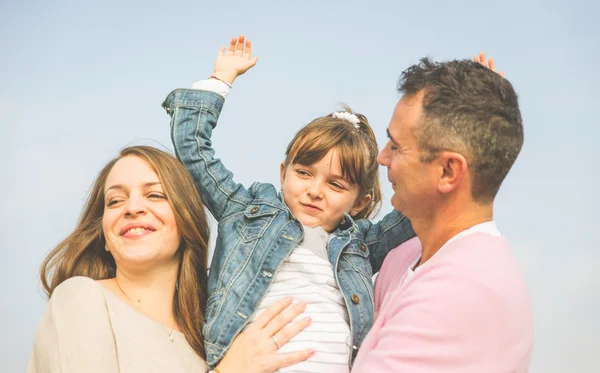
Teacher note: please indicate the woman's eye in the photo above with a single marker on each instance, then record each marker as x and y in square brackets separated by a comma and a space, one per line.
[393, 147]
[113, 202]
[156, 196]
[302, 172]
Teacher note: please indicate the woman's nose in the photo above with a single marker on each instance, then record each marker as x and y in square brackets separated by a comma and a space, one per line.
[135, 206]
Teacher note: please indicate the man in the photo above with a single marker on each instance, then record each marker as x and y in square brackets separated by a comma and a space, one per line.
[452, 300]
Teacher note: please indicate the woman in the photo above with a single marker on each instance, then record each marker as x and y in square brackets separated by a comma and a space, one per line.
[128, 287]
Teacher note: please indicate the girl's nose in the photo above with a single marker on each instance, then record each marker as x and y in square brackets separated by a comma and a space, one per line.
[315, 190]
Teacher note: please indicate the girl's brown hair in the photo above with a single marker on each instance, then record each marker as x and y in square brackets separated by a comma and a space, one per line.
[82, 253]
[357, 149]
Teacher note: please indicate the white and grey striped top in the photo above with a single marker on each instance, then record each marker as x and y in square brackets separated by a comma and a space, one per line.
[307, 275]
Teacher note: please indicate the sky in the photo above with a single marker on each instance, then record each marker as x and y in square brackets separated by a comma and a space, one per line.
[81, 80]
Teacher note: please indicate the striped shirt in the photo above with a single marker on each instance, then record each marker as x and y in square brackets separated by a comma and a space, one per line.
[307, 275]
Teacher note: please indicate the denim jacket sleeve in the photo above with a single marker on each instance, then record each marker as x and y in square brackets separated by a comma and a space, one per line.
[385, 235]
[194, 114]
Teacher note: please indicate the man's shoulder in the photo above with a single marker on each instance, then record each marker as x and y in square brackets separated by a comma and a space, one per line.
[480, 268]
[479, 255]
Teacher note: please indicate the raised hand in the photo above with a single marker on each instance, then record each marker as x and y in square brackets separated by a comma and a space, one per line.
[234, 60]
[480, 58]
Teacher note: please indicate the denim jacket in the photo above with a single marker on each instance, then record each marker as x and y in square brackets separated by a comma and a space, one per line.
[256, 232]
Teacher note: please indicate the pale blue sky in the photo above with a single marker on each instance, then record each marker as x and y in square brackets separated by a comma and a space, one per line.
[80, 80]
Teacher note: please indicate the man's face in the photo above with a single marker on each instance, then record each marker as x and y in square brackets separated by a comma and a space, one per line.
[414, 182]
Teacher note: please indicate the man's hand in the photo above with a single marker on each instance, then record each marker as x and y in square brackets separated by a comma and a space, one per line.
[235, 60]
[489, 63]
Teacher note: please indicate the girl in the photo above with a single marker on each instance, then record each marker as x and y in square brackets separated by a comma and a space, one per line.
[312, 240]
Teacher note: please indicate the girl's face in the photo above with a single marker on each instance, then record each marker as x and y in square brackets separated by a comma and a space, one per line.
[138, 222]
[318, 195]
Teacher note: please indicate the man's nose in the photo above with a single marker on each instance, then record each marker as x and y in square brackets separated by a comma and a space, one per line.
[382, 158]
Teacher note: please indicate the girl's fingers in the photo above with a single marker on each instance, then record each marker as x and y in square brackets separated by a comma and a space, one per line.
[491, 64]
[232, 44]
[240, 45]
[284, 318]
[272, 311]
[221, 51]
[482, 59]
[248, 51]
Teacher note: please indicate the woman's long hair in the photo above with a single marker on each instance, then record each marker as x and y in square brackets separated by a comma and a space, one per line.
[82, 253]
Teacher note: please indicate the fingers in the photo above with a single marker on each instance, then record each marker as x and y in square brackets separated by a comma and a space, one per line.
[248, 51]
[480, 58]
[284, 318]
[291, 330]
[221, 51]
[491, 64]
[231, 47]
[240, 46]
[273, 310]
[285, 360]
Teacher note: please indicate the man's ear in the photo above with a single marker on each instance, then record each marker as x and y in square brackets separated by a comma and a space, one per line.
[360, 204]
[454, 169]
[282, 172]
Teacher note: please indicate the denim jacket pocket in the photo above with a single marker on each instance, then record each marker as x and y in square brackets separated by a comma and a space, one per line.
[258, 217]
[356, 258]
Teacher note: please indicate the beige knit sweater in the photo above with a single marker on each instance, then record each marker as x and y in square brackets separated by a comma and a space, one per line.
[86, 328]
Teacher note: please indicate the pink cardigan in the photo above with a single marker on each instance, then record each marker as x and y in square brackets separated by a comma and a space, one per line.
[466, 310]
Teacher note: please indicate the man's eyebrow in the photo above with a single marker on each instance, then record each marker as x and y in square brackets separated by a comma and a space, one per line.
[121, 187]
[390, 137]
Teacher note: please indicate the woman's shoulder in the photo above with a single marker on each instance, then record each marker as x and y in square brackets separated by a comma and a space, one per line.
[77, 293]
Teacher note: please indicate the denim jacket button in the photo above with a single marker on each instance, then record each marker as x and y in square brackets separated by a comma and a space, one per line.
[254, 210]
[363, 247]
[267, 274]
[355, 299]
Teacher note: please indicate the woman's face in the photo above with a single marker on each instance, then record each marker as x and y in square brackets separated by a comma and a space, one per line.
[138, 222]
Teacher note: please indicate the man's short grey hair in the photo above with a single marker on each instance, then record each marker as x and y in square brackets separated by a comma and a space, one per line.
[469, 109]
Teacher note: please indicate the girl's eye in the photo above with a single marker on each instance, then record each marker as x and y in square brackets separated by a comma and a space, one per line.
[393, 147]
[302, 172]
[337, 185]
